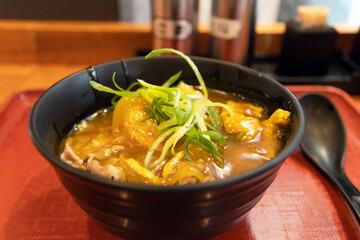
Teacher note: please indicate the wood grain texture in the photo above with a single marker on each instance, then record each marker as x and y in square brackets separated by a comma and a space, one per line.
[17, 43]
[82, 42]
[70, 42]
[21, 77]
[16, 78]
[36, 54]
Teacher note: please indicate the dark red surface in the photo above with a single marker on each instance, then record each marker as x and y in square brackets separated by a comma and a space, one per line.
[300, 204]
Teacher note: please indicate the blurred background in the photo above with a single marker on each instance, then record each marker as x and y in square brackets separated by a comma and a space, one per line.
[43, 41]
[268, 11]
[55, 38]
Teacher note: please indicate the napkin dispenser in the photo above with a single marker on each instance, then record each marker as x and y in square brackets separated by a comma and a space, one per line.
[308, 45]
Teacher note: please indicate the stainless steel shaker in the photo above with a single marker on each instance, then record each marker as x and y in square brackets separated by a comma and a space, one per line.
[232, 30]
[174, 24]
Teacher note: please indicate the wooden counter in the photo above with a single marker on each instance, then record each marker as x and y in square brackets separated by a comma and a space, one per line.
[74, 42]
[15, 78]
[36, 54]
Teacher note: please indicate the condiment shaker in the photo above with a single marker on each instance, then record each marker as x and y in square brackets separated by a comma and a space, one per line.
[232, 30]
[174, 24]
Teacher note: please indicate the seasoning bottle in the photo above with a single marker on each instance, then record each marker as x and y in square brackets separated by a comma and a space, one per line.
[232, 30]
[174, 24]
[308, 44]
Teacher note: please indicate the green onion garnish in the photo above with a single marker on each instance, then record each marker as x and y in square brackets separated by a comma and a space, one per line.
[177, 115]
[243, 133]
[190, 62]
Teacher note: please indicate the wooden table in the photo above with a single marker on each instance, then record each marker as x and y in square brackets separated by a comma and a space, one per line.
[20, 77]
[15, 78]
[36, 54]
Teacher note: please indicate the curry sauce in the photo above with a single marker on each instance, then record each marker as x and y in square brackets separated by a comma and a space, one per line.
[113, 143]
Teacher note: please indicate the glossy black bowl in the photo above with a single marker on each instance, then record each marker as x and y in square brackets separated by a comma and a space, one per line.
[138, 211]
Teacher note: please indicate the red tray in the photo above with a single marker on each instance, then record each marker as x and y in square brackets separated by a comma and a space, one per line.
[300, 204]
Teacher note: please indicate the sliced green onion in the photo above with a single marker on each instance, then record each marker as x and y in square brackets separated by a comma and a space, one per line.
[189, 61]
[214, 118]
[216, 136]
[103, 88]
[172, 80]
[132, 85]
[186, 147]
[243, 133]
[206, 145]
[166, 124]
[114, 100]
[182, 115]
[153, 114]
[156, 144]
[178, 116]
[117, 86]
[158, 108]
[211, 127]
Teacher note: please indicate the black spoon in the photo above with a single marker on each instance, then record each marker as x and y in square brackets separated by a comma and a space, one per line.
[324, 142]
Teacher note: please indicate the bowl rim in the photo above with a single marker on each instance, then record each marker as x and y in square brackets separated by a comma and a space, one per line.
[55, 160]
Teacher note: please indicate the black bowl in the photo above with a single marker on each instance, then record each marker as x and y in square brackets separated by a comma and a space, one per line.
[140, 211]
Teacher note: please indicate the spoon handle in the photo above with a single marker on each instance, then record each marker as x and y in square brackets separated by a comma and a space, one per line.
[351, 194]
